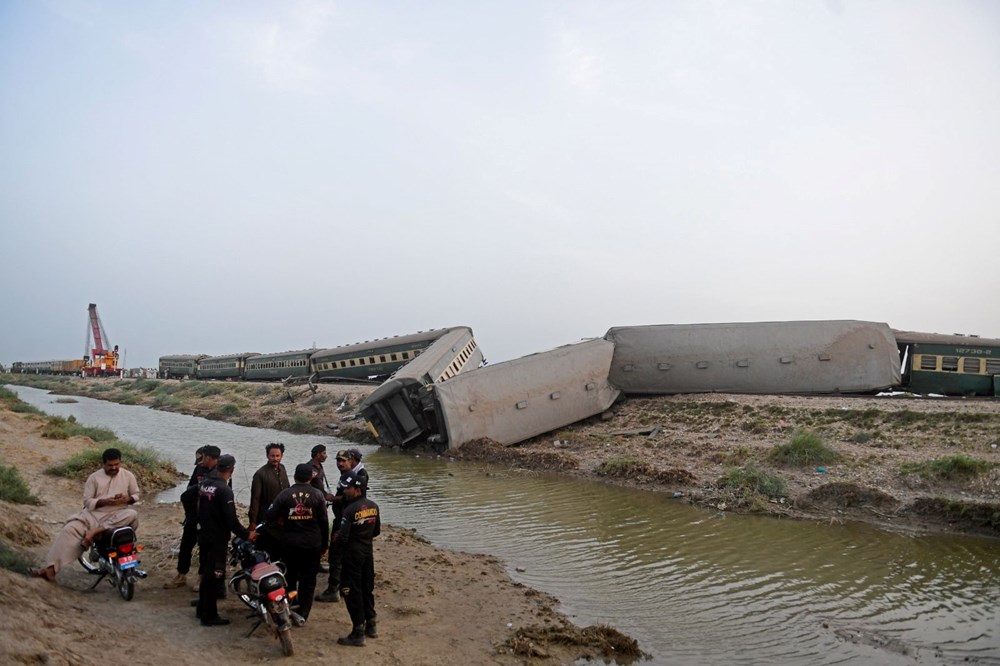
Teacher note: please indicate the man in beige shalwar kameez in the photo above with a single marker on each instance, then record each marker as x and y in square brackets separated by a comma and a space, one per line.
[106, 496]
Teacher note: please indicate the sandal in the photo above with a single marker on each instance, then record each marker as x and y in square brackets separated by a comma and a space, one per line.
[41, 573]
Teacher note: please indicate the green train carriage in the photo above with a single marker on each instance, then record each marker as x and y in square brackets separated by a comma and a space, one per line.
[227, 366]
[179, 365]
[372, 358]
[281, 365]
[964, 365]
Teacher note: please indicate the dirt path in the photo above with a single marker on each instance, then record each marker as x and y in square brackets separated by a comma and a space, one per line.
[435, 606]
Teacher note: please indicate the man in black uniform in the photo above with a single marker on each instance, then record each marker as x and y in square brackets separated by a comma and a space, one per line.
[206, 457]
[360, 524]
[349, 464]
[216, 521]
[300, 510]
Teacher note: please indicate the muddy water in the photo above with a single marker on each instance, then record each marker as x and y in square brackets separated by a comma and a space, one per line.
[693, 586]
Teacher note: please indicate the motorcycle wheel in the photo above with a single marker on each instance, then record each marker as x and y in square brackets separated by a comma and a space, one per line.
[126, 587]
[286, 642]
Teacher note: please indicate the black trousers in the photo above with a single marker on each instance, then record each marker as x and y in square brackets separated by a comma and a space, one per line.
[335, 558]
[302, 567]
[189, 537]
[212, 561]
[357, 586]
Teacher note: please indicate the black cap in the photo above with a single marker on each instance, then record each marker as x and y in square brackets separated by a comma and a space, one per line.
[211, 451]
[354, 453]
[351, 481]
[226, 463]
[304, 472]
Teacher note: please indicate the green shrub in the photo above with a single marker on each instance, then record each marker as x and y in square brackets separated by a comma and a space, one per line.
[13, 488]
[751, 480]
[298, 424]
[13, 560]
[620, 466]
[229, 409]
[165, 401]
[948, 467]
[805, 448]
[145, 385]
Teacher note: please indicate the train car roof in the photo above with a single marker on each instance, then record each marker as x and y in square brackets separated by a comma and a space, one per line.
[914, 337]
[238, 355]
[419, 336]
[182, 357]
[298, 352]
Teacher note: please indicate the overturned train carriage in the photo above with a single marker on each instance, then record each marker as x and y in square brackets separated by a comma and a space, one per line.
[760, 357]
[507, 402]
[400, 410]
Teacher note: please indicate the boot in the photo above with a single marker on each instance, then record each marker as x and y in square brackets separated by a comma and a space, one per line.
[370, 630]
[180, 580]
[328, 595]
[356, 638]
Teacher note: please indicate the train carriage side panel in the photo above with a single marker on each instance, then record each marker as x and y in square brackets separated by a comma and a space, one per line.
[281, 365]
[759, 357]
[512, 401]
[227, 366]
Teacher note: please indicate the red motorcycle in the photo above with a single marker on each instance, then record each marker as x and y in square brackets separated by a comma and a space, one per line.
[260, 584]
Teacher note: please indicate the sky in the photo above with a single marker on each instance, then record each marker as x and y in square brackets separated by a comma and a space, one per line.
[266, 176]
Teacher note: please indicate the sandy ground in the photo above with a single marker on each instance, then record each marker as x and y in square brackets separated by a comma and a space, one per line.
[435, 606]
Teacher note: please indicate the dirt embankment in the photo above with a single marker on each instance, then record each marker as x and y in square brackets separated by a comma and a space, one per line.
[435, 606]
[685, 444]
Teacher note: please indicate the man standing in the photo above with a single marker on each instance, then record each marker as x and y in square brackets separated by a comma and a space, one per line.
[300, 511]
[346, 463]
[319, 480]
[106, 495]
[206, 457]
[267, 482]
[216, 521]
[360, 524]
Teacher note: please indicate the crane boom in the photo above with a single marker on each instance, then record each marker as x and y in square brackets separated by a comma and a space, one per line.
[101, 362]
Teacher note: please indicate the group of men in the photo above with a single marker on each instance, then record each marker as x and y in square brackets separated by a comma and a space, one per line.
[288, 521]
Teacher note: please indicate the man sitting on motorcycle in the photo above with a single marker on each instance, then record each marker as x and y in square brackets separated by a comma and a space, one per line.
[106, 496]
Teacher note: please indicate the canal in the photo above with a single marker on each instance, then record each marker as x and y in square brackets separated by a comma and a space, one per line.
[693, 586]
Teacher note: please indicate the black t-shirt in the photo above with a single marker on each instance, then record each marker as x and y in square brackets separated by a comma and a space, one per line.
[360, 524]
[301, 511]
[217, 512]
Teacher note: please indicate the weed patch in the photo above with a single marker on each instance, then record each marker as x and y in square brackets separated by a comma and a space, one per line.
[804, 449]
[949, 468]
[750, 480]
[13, 488]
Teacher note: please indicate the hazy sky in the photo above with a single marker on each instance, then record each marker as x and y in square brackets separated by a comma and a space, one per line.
[264, 176]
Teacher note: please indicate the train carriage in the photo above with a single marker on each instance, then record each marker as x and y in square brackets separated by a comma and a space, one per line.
[281, 365]
[949, 364]
[227, 366]
[179, 365]
[372, 358]
[397, 406]
[840, 356]
[507, 402]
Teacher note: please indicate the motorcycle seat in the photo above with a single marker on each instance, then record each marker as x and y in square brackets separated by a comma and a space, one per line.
[263, 569]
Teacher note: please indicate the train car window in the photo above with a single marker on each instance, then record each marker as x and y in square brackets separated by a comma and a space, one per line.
[361, 361]
[949, 363]
[393, 357]
[928, 362]
[971, 365]
[352, 362]
[382, 358]
[406, 355]
[993, 366]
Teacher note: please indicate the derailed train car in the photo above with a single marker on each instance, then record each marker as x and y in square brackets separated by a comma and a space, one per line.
[400, 410]
[966, 365]
[843, 356]
[507, 402]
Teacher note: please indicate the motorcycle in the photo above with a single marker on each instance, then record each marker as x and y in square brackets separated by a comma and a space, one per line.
[114, 555]
[260, 584]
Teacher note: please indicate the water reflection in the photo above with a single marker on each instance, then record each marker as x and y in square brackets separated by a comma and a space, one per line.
[695, 587]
